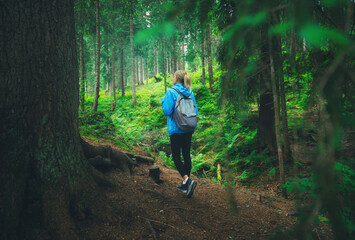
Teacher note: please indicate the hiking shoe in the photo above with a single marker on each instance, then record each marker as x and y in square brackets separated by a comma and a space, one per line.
[182, 188]
[191, 185]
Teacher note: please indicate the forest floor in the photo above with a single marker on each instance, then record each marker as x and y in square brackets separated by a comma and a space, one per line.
[158, 211]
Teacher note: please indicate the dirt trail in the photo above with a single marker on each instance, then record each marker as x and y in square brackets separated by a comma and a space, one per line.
[158, 211]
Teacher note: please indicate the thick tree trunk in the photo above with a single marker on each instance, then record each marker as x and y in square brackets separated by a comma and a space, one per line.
[134, 101]
[276, 101]
[266, 127]
[209, 54]
[44, 175]
[97, 58]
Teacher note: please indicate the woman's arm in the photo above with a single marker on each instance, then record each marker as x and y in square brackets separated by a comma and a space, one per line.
[168, 103]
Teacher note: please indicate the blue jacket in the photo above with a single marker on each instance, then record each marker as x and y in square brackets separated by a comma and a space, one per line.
[168, 103]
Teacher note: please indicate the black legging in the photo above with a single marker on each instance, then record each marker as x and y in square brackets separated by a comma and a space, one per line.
[177, 142]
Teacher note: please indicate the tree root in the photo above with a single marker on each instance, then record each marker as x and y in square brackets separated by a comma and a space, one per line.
[100, 179]
[104, 157]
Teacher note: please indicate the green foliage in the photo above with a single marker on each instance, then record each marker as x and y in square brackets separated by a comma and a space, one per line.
[158, 78]
[298, 185]
[167, 159]
[98, 124]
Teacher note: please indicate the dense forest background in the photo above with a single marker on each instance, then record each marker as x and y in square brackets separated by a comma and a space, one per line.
[274, 83]
[273, 80]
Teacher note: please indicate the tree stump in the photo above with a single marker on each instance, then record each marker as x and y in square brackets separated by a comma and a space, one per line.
[154, 173]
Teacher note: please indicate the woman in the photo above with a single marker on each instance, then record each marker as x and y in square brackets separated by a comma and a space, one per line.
[180, 140]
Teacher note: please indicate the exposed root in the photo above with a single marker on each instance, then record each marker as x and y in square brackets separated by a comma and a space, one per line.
[140, 159]
[104, 156]
[101, 180]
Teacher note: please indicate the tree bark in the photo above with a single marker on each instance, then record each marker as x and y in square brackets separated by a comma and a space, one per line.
[119, 68]
[209, 55]
[293, 49]
[182, 47]
[266, 124]
[44, 175]
[155, 63]
[279, 78]
[277, 118]
[147, 71]
[134, 101]
[123, 75]
[164, 67]
[173, 55]
[97, 58]
[142, 67]
[203, 61]
[142, 71]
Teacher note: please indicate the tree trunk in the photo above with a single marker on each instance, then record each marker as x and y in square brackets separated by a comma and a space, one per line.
[44, 175]
[182, 46]
[209, 55]
[122, 75]
[277, 118]
[173, 55]
[134, 101]
[157, 56]
[154, 63]
[138, 71]
[97, 58]
[82, 71]
[203, 61]
[266, 124]
[164, 67]
[142, 70]
[279, 78]
[119, 68]
[113, 70]
[147, 71]
[293, 49]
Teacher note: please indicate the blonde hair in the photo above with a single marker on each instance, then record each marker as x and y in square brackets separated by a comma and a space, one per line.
[183, 77]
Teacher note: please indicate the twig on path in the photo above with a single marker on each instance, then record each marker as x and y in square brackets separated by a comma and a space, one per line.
[152, 229]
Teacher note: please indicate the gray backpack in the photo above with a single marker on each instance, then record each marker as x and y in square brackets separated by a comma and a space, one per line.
[185, 112]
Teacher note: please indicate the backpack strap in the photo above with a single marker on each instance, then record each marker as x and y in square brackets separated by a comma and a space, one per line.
[181, 93]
